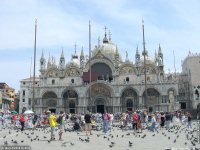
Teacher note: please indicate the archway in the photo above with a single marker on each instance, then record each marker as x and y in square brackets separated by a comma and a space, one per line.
[49, 100]
[152, 99]
[70, 101]
[129, 100]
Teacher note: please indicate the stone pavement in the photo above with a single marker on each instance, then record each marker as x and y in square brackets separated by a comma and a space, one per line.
[38, 140]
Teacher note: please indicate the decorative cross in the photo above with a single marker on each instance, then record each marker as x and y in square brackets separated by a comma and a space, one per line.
[99, 40]
[109, 33]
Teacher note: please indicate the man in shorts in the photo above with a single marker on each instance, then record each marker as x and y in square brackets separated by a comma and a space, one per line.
[88, 123]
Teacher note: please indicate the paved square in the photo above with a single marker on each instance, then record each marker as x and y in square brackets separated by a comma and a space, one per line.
[174, 139]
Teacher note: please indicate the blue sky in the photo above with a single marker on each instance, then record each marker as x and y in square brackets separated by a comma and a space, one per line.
[174, 24]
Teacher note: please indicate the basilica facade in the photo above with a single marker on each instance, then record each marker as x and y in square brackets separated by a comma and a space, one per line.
[101, 82]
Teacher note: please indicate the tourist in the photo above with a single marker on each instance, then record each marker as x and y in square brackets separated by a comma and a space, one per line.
[189, 120]
[52, 123]
[88, 123]
[106, 119]
[162, 120]
[22, 121]
[135, 121]
[60, 121]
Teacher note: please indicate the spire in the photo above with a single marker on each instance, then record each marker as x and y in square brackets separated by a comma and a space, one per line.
[127, 56]
[75, 56]
[82, 54]
[137, 51]
[42, 56]
[155, 54]
[49, 60]
[109, 33]
[105, 40]
[116, 51]
[62, 54]
[159, 49]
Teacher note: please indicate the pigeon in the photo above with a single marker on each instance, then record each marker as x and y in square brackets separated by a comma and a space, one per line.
[169, 138]
[22, 141]
[110, 146]
[71, 143]
[4, 137]
[130, 142]
[175, 141]
[153, 135]
[144, 136]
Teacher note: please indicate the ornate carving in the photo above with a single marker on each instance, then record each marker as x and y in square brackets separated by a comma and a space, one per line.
[51, 103]
[100, 89]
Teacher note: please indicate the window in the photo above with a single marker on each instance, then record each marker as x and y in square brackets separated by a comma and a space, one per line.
[23, 92]
[29, 101]
[183, 105]
[72, 80]
[53, 81]
[23, 100]
[24, 83]
[127, 79]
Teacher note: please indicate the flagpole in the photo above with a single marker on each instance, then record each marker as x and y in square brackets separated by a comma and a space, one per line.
[145, 75]
[33, 100]
[90, 59]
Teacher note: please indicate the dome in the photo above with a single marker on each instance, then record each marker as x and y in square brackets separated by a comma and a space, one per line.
[107, 49]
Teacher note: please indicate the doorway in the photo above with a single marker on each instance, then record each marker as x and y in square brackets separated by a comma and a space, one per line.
[100, 109]
[52, 110]
[150, 109]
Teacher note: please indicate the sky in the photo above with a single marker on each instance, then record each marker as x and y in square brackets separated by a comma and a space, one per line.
[174, 24]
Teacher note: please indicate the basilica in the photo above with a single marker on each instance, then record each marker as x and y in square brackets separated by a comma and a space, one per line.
[102, 81]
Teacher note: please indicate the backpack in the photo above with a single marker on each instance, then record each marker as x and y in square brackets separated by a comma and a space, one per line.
[59, 120]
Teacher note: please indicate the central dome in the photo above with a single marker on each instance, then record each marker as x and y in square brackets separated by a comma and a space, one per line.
[107, 49]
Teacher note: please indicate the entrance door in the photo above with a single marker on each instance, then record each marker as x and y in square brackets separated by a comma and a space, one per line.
[100, 108]
[52, 110]
[150, 109]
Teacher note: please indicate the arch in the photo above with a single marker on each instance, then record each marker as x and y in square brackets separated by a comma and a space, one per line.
[152, 99]
[129, 99]
[127, 69]
[99, 88]
[49, 94]
[52, 72]
[100, 60]
[49, 99]
[150, 69]
[70, 100]
[172, 89]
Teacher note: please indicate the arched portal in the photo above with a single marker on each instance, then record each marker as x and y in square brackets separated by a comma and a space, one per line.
[152, 99]
[129, 100]
[70, 101]
[49, 101]
[99, 98]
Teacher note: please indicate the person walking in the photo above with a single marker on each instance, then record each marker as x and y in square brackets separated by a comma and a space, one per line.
[52, 123]
[88, 123]
[106, 119]
[60, 121]
[189, 119]
[22, 121]
[135, 121]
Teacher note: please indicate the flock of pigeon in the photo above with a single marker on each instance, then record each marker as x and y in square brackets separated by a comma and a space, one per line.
[177, 137]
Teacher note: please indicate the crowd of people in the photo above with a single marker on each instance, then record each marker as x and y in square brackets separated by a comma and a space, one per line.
[86, 122]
